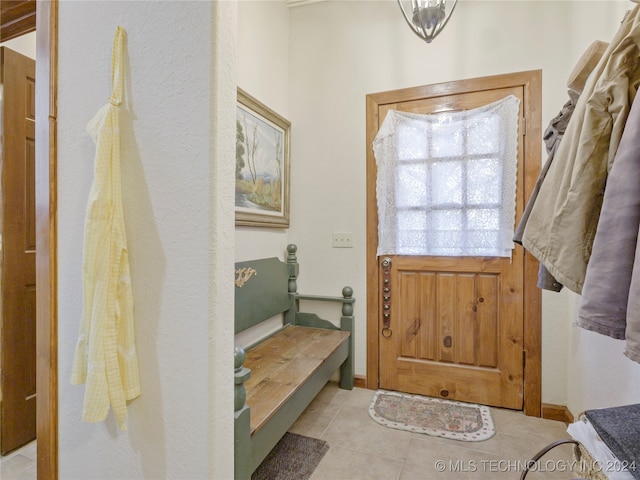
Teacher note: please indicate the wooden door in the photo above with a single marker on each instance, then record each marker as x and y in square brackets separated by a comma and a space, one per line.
[18, 380]
[451, 327]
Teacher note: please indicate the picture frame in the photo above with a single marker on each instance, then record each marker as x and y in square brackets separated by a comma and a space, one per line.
[263, 141]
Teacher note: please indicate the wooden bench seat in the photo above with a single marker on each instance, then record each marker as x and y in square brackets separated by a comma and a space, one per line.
[277, 377]
[282, 364]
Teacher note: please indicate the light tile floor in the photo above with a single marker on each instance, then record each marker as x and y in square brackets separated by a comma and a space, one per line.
[20, 464]
[359, 448]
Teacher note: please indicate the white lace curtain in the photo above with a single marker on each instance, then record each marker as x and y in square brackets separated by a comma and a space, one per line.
[446, 182]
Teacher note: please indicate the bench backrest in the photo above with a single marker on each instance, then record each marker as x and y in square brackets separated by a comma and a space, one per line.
[262, 291]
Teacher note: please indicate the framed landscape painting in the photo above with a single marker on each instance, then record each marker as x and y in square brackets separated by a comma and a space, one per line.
[262, 164]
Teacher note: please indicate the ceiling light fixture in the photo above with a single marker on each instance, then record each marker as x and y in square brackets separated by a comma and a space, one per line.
[428, 17]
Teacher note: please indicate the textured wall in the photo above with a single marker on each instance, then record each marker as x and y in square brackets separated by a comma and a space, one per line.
[221, 245]
[179, 226]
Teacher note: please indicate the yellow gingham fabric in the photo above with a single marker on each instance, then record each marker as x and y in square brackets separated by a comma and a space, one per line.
[105, 357]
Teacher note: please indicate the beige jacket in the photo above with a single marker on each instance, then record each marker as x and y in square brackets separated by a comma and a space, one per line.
[563, 220]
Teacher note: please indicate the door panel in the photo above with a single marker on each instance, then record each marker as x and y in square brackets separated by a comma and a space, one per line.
[18, 380]
[456, 329]
[450, 327]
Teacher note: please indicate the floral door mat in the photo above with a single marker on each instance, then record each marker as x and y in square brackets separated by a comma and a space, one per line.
[432, 416]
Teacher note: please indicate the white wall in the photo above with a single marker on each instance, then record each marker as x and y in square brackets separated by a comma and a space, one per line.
[24, 44]
[177, 134]
[263, 72]
[599, 373]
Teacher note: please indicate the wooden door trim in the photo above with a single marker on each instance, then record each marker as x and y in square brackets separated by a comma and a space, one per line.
[531, 81]
[46, 239]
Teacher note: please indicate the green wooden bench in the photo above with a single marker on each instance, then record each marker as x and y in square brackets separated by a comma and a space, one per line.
[277, 377]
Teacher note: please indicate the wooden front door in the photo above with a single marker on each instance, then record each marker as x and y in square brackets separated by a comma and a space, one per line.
[452, 327]
[18, 379]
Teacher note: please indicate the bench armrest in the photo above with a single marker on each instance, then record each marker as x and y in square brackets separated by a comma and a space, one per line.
[346, 324]
[322, 298]
[347, 299]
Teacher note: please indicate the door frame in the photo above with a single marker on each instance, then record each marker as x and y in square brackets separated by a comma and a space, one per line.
[531, 81]
[46, 239]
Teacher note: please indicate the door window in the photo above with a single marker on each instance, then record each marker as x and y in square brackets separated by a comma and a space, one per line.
[446, 182]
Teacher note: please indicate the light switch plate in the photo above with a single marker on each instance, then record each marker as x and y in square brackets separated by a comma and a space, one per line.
[342, 240]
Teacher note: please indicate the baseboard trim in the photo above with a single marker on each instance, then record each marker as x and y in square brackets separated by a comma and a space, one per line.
[360, 382]
[560, 413]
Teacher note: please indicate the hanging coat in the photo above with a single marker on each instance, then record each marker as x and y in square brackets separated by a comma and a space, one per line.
[552, 136]
[563, 220]
[610, 302]
[105, 357]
